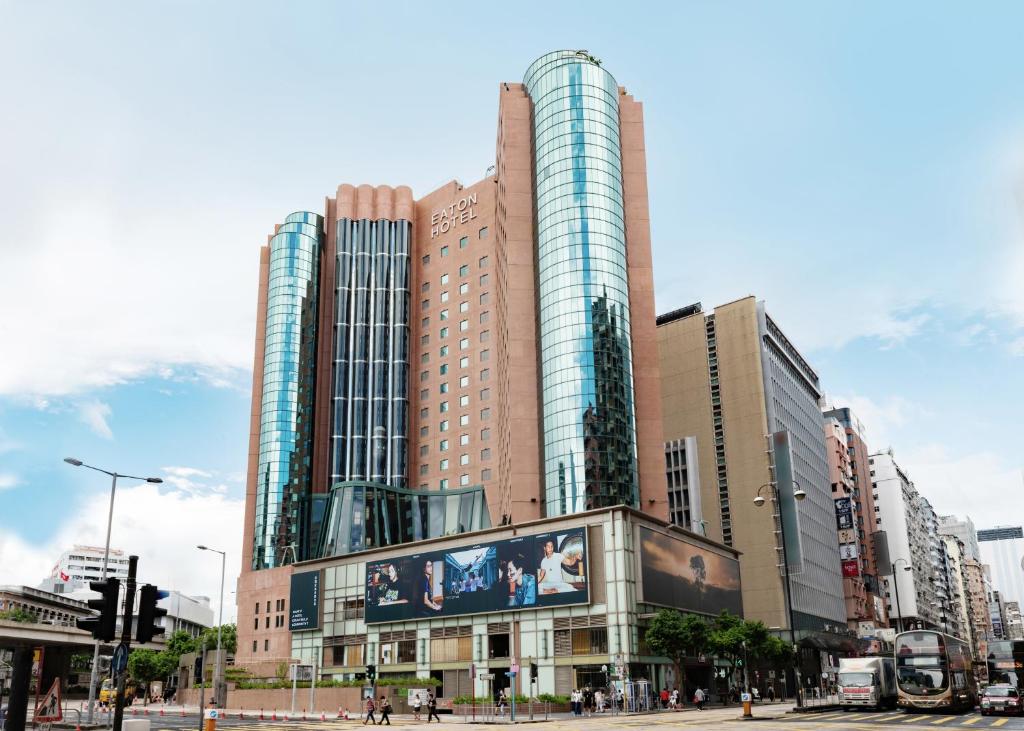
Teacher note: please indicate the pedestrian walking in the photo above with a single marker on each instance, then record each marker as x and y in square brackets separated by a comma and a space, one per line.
[385, 710]
[673, 699]
[588, 701]
[698, 699]
[432, 708]
[664, 695]
[370, 708]
[417, 706]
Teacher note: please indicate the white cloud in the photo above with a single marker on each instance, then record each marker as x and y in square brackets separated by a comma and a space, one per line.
[162, 527]
[8, 480]
[94, 414]
[979, 484]
[882, 420]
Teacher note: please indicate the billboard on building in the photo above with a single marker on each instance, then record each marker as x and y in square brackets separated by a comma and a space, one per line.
[687, 577]
[526, 572]
[304, 601]
[844, 513]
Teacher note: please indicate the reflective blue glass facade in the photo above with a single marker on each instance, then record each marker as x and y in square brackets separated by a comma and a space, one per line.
[286, 411]
[370, 377]
[363, 515]
[583, 294]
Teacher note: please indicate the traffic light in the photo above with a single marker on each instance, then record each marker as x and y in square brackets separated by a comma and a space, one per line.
[102, 627]
[149, 613]
[371, 672]
[533, 671]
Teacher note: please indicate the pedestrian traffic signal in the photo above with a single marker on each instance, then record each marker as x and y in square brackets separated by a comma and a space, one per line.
[371, 672]
[103, 626]
[533, 671]
[149, 613]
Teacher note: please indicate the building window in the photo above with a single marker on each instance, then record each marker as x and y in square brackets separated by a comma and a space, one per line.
[406, 651]
[424, 413]
[485, 374]
[254, 646]
[464, 344]
[485, 355]
[444, 351]
[484, 278]
[463, 306]
[424, 450]
[257, 623]
[444, 333]
[485, 414]
[444, 278]
[485, 434]
[443, 387]
[443, 369]
[442, 465]
[266, 645]
[444, 314]
[425, 323]
[485, 394]
[424, 468]
[424, 394]
[485, 317]
[444, 483]
[444, 251]
[444, 445]
[485, 298]
[444, 408]
[424, 431]
[485, 336]
[463, 326]
[484, 261]
[463, 480]
[424, 357]
[463, 288]
[464, 270]
[464, 400]
[485, 454]
[463, 242]
[425, 340]
[463, 459]
[425, 287]
[485, 475]
[426, 259]
[463, 439]
[444, 425]
[483, 232]
[464, 420]
[463, 381]
[464, 362]
[257, 607]
[425, 304]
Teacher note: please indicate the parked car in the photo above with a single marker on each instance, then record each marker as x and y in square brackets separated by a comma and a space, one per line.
[1001, 698]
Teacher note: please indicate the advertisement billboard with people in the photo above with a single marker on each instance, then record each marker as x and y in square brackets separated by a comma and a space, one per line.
[544, 570]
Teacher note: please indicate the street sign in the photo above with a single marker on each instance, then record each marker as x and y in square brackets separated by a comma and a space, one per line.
[49, 709]
[211, 714]
[514, 668]
[486, 676]
[120, 660]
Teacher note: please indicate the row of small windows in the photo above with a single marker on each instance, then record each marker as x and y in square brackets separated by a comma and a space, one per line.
[463, 289]
[463, 243]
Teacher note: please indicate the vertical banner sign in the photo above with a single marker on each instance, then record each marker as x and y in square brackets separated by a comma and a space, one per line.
[304, 602]
[782, 453]
[844, 513]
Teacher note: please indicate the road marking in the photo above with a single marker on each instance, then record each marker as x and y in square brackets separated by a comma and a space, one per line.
[889, 716]
[970, 721]
[1000, 722]
[914, 718]
[938, 721]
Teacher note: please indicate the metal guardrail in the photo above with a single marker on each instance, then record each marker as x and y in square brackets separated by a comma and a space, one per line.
[502, 713]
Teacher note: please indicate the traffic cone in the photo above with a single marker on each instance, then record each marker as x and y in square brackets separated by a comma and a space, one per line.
[273, 716]
[322, 716]
[183, 711]
[161, 710]
[146, 711]
[339, 712]
[303, 714]
[261, 714]
[286, 717]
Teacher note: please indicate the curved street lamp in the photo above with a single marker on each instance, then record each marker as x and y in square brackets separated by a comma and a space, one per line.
[94, 677]
[759, 500]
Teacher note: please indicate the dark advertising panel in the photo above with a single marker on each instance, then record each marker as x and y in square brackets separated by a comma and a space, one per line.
[544, 570]
[680, 575]
[304, 601]
[844, 513]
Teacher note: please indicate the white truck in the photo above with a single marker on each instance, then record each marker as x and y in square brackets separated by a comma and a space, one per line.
[867, 681]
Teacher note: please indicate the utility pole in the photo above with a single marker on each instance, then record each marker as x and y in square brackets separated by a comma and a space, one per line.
[126, 639]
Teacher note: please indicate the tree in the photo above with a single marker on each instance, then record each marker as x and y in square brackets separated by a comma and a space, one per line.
[228, 638]
[19, 615]
[732, 638]
[674, 635]
[145, 666]
[181, 643]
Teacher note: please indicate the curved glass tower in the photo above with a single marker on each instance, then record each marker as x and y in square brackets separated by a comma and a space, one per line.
[286, 411]
[583, 293]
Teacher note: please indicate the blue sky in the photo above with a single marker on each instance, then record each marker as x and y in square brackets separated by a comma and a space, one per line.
[860, 167]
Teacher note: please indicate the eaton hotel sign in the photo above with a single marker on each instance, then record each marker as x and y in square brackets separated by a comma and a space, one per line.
[444, 220]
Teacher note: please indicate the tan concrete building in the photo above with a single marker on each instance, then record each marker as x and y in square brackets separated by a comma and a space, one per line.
[731, 379]
[481, 355]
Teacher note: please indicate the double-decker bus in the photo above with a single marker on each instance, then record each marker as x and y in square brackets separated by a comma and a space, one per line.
[933, 672]
[1005, 662]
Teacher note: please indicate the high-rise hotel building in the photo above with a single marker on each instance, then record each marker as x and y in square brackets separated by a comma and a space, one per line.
[482, 356]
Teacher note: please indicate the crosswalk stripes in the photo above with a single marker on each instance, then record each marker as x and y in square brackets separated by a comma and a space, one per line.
[970, 721]
[1000, 722]
[944, 719]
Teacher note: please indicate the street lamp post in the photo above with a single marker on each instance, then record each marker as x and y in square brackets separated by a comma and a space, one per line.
[94, 675]
[218, 667]
[759, 500]
[896, 584]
